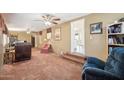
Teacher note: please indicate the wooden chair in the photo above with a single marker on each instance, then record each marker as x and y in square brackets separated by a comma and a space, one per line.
[9, 56]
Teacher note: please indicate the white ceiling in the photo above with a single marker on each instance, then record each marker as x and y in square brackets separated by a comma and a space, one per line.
[24, 21]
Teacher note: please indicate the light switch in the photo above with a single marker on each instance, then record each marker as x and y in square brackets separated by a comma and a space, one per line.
[91, 37]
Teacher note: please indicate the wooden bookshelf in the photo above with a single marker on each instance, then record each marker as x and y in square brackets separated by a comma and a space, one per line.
[115, 35]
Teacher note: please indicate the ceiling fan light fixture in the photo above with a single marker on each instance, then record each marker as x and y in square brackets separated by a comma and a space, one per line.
[28, 32]
[47, 23]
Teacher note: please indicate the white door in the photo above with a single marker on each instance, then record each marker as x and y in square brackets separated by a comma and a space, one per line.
[78, 36]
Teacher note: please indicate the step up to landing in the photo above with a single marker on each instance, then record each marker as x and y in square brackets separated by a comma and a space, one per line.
[74, 57]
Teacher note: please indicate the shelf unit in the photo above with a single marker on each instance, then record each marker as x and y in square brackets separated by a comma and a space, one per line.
[116, 45]
[115, 35]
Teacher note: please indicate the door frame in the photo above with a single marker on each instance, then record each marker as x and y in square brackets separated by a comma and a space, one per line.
[33, 41]
[72, 35]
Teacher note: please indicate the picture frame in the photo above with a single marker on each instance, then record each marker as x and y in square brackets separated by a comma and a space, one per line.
[58, 34]
[96, 28]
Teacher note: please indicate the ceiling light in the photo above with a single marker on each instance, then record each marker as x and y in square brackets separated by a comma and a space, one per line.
[47, 23]
[28, 32]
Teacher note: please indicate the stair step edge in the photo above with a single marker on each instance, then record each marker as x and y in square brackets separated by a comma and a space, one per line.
[73, 59]
[75, 55]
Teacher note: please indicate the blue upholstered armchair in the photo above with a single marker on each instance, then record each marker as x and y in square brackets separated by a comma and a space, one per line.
[113, 69]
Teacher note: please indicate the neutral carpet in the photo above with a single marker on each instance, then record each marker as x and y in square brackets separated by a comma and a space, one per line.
[42, 67]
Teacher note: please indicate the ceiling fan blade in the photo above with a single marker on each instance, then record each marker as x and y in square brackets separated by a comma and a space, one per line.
[54, 22]
[57, 19]
[43, 16]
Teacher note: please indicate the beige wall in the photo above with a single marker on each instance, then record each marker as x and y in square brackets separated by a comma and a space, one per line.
[62, 45]
[97, 46]
[3, 25]
[42, 38]
[22, 36]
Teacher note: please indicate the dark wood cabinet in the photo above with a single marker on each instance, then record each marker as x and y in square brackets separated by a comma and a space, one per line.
[22, 51]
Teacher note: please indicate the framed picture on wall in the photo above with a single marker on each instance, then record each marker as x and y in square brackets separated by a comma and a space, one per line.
[58, 34]
[96, 28]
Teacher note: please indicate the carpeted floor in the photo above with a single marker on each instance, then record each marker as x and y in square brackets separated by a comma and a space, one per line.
[42, 67]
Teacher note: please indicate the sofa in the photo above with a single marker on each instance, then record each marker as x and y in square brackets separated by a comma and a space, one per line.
[112, 69]
[22, 51]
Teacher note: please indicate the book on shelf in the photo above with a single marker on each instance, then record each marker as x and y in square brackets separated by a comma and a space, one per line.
[116, 40]
[110, 50]
[115, 28]
[123, 40]
[110, 41]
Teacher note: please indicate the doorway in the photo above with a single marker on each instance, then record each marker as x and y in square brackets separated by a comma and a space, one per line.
[33, 41]
[78, 37]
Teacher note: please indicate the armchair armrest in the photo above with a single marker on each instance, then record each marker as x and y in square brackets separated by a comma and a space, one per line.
[94, 62]
[98, 74]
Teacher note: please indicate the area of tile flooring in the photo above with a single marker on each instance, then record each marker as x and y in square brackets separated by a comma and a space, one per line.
[42, 67]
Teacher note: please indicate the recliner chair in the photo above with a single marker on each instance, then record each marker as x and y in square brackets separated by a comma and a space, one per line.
[113, 69]
[46, 48]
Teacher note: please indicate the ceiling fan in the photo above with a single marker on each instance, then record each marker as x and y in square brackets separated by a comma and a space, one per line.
[49, 19]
